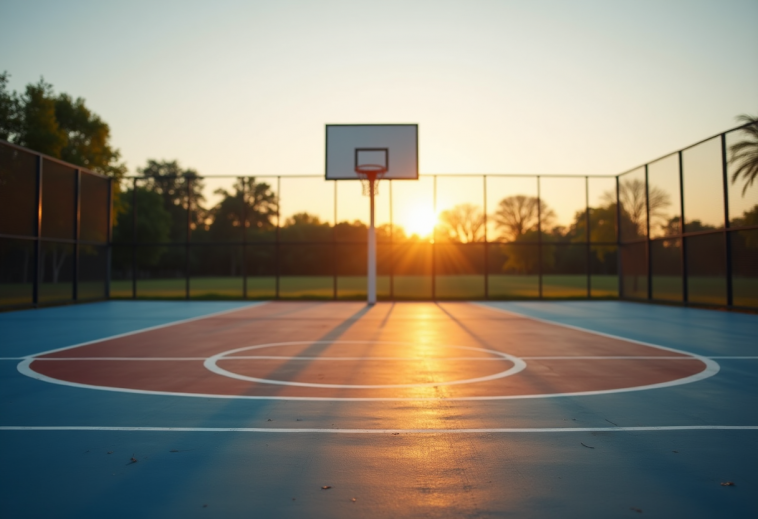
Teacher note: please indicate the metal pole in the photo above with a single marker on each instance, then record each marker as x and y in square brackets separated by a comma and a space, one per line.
[683, 257]
[38, 241]
[109, 246]
[371, 248]
[486, 243]
[278, 226]
[619, 263]
[187, 243]
[77, 228]
[539, 238]
[588, 249]
[334, 245]
[648, 255]
[392, 248]
[434, 236]
[727, 234]
[134, 238]
[244, 237]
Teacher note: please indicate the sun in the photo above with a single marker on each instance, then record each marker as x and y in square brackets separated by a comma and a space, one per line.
[420, 220]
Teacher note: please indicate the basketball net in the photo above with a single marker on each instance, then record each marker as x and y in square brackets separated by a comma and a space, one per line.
[370, 175]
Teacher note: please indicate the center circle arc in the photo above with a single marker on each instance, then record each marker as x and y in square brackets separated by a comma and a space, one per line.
[211, 364]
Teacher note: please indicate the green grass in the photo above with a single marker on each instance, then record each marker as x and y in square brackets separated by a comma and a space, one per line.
[704, 290]
[354, 287]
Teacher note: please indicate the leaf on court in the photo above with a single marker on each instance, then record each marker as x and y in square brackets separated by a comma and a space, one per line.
[636, 510]
[588, 446]
[109, 452]
[269, 420]
[395, 434]
[727, 484]
[326, 487]
[132, 460]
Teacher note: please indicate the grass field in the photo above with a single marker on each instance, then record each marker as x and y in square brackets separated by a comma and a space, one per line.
[705, 290]
[354, 287]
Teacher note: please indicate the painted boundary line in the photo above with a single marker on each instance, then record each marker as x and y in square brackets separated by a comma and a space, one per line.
[332, 359]
[388, 431]
[711, 368]
[148, 329]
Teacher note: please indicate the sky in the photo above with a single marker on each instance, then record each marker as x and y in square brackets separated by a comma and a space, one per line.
[246, 88]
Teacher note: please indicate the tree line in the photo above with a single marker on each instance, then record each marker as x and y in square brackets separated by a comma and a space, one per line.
[64, 127]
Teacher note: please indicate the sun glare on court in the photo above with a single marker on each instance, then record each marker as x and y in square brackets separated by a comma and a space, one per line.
[420, 221]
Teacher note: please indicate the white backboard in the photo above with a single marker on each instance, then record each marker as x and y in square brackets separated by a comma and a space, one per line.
[348, 143]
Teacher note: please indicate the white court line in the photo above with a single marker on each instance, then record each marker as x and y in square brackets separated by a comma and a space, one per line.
[483, 359]
[211, 364]
[711, 368]
[389, 431]
[148, 329]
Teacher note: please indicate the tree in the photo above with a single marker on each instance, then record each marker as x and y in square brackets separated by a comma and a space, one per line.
[10, 125]
[153, 226]
[169, 180]
[59, 126]
[260, 207]
[745, 153]
[635, 200]
[516, 215]
[464, 223]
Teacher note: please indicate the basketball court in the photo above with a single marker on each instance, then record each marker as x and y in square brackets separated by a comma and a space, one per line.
[224, 409]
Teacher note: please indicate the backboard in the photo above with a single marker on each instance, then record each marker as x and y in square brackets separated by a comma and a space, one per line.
[359, 146]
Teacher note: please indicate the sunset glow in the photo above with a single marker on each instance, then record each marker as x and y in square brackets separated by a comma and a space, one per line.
[419, 220]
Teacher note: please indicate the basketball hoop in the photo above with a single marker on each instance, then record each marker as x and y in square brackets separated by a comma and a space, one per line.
[370, 175]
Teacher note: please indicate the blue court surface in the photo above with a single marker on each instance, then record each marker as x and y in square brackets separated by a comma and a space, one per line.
[334, 409]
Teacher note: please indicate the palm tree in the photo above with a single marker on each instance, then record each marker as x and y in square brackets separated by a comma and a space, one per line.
[745, 153]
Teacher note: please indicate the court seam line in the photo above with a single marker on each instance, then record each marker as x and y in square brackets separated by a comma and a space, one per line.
[151, 328]
[662, 428]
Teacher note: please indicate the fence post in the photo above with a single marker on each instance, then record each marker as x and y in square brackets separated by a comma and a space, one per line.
[77, 228]
[727, 234]
[278, 226]
[134, 238]
[38, 242]
[434, 244]
[392, 249]
[683, 258]
[109, 240]
[334, 245]
[243, 180]
[648, 255]
[486, 243]
[188, 180]
[539, 238]
[619, 262]
[588, 249]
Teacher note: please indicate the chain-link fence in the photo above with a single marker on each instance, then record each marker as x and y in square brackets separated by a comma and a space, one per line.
[302, 237]
[689, 227]
[683, 231]
[54, 230]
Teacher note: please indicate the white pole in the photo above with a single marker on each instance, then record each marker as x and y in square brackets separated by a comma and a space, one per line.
[371, 251]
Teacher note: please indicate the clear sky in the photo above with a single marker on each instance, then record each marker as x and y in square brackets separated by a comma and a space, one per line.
[234, 88]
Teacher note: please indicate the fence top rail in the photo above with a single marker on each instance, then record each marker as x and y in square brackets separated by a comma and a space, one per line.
[315, 175]
[53, 159]
[684, 149]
